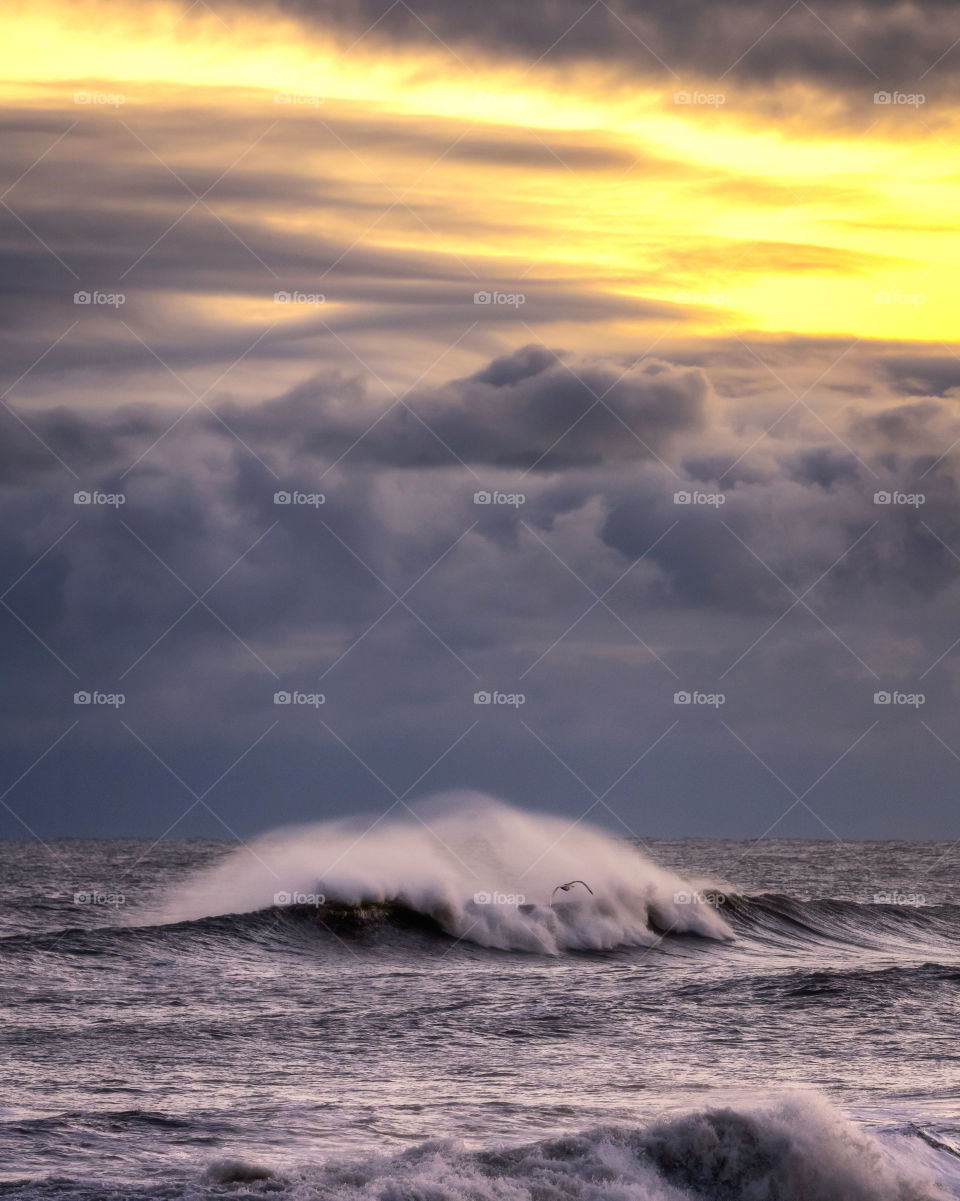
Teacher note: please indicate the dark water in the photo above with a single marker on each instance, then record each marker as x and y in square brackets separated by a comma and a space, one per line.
[364, 1051]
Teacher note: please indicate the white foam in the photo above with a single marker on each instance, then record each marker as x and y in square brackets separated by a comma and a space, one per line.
[484, 870]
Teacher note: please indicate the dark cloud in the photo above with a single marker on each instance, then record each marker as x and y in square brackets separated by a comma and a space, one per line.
[823, 465]
[923, 374]
[852, 44]
[903, 426]
[297, 596]
[530, 410]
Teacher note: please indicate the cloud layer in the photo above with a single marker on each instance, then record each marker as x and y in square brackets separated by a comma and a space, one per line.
[641, 538]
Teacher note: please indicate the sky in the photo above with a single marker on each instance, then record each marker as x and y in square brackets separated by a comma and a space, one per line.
[557, 400]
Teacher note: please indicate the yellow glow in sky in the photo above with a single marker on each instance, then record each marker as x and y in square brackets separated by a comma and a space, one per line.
[708, 208]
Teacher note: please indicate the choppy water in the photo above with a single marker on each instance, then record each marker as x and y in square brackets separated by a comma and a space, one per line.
[755, 1027]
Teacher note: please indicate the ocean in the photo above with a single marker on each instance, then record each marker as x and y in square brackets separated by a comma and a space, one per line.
[418, 1011]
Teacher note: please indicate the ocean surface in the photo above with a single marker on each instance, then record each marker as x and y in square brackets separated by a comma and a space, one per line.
[413, 1013]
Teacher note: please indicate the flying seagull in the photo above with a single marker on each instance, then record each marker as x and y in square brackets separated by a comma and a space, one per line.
[567, 887]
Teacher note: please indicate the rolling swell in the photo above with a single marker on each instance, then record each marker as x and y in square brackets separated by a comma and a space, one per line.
[783, 921]
[278, 927]
[773, 921]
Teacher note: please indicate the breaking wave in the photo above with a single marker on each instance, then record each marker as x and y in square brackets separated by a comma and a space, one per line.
[478, 869]
[796, 1148]
[790, 1148]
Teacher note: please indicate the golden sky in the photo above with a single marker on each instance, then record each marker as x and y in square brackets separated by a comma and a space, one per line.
[682, 205]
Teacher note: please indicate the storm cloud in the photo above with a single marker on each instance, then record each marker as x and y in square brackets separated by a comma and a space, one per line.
[486, 533]
[849, 45]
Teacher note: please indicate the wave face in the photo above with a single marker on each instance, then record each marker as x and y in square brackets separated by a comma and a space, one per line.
[783, 922]
[479, 869]
[829, 932]
[793, 1149]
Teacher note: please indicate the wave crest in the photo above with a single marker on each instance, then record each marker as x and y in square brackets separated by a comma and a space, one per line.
[482, 870]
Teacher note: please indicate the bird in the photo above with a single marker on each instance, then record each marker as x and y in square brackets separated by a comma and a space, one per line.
[567, 887]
